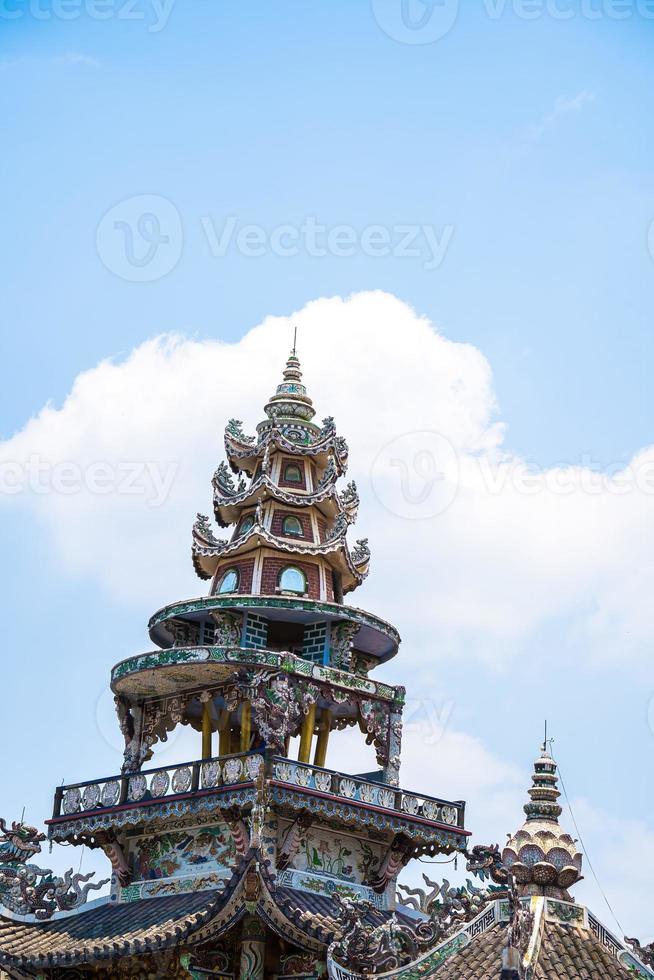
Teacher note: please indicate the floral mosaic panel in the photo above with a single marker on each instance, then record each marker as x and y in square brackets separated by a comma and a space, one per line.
[339, 856]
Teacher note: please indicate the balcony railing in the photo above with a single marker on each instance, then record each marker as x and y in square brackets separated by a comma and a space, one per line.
[188, 778]
[157, 784]
[364, 791]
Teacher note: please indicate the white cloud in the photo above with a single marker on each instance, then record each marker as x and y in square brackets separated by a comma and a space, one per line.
[514, 550]
[562, 106]
[73, 58]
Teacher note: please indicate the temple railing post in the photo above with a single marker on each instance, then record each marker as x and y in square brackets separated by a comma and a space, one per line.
[59, 795]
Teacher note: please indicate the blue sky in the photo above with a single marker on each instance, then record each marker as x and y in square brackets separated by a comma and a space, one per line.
[524, 145]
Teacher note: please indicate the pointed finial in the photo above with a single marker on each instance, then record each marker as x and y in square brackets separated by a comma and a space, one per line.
[294, 340]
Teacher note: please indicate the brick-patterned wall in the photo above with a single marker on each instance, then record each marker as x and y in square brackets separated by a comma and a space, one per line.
[245, 571]
[329, 583]
[256, 632]
[273, 566]
[322, 530]
[289, 461]
[314, 642]
[278, 521]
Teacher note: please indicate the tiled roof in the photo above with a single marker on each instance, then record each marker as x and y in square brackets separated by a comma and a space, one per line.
[105, 931]
[322, 909]
[576, 955]
[566, 953]
[480, 960]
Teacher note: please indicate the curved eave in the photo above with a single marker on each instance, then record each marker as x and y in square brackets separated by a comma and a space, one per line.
[245, 456]
[375, 637]
[102, 933]
[207, 554]
[161, 673]
[227, 509]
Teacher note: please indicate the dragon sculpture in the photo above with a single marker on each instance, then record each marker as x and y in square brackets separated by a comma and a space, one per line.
[361, 552]
[223, 482]
[350, 501]
[644, 953]
[26, 889]
[447, 906]
[370, 949]
[234, 428]
[203, 533]
[485, 861]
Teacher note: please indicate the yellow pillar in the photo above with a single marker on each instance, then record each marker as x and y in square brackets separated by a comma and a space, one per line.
[320, 756]
[224, 737]
[246, 726]
[206, 730]
[306, 736]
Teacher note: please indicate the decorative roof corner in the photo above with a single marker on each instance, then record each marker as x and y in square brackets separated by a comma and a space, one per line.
[26, 889]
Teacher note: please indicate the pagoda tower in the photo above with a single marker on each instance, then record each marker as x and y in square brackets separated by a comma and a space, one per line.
[237, 863]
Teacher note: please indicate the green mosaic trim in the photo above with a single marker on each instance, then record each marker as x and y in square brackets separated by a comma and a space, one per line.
[287, 662]
[160, 658]
[564, 911]
[245, 602]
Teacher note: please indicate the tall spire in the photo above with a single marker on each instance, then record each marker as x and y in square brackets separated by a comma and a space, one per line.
[290, 403]
[544, 791]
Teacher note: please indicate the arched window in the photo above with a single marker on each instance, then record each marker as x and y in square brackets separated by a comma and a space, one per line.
[292, 473]
[229, 581]
[291, 579]
[246, 524]
[292, 527]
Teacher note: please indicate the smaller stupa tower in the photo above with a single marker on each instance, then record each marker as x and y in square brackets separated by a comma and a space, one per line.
[543, 858]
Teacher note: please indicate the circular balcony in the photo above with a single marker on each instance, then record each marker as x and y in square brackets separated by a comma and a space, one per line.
[371, 636]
